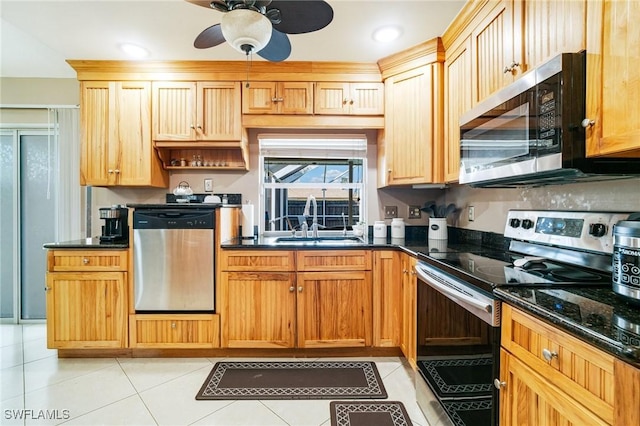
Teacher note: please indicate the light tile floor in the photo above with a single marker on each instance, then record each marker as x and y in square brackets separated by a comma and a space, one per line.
[37, 388]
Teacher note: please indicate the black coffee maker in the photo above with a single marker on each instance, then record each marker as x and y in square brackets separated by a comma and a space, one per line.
[116, 224]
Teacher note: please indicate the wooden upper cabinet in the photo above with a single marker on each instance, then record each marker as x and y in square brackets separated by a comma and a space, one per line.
[497, 55]
[613, 78]
[335, 98]
[550, 28]
[268, 97]
[197, 111]
[457, 82]
[413, 126]
[116, 135]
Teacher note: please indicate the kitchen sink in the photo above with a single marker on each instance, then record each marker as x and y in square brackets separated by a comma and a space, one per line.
[327, 240]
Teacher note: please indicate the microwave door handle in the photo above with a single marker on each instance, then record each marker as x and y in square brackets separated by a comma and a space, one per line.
[453, 294]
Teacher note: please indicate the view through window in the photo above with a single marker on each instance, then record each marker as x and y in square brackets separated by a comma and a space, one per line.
[331, 170]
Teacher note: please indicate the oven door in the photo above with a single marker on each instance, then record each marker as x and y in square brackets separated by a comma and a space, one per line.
[458, 344]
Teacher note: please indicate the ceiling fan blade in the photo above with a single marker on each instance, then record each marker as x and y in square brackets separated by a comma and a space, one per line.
[210, 37]
[278, 49]
[203, 3]
[302, 16]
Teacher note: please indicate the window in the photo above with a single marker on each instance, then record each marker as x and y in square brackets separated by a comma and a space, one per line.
[332, 169]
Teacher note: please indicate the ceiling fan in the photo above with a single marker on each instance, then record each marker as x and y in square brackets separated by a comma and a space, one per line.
[261, 26]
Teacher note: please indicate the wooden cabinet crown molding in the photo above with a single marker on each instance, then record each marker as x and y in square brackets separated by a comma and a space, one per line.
[422, 54]
[225, 70]
[462, 21]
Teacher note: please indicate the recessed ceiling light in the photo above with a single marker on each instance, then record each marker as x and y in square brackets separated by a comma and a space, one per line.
[134, 51]
[387, 34]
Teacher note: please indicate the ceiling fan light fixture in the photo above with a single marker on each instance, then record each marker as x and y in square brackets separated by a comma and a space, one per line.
[387, 34]
[245, 30]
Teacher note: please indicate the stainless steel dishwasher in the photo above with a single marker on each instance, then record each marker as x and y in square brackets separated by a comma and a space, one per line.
[173, 260]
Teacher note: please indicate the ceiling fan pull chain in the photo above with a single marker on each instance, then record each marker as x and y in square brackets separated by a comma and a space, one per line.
[248, 68]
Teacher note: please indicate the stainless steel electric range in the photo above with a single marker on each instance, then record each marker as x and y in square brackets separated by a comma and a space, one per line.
[458, 316]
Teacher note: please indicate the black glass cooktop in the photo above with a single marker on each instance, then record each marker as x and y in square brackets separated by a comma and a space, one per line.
[497, 268]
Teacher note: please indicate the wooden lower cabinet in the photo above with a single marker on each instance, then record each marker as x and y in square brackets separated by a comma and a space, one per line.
[334, 309]
[266, 303]
[409, 299]
[174, 331]
[260, 309]
[86, 299]
[550, 377]
[387, 297]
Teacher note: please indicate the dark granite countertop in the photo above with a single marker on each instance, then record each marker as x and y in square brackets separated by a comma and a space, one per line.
[596, 315]
[87, 243]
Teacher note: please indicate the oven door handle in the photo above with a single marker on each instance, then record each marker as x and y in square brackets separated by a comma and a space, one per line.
[452, 293]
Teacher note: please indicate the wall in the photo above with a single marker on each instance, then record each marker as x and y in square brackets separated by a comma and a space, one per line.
[491, 205]
[39, 91]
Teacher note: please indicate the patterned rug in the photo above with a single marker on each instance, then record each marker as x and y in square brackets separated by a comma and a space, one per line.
[456, 377]
[293, 380]
[384, 413]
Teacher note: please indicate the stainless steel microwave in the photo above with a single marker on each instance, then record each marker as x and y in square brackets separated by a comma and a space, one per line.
[530, 133]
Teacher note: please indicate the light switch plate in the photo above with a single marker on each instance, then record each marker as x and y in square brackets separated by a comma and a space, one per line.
[390, 212]
[208, 185]
[414, 212]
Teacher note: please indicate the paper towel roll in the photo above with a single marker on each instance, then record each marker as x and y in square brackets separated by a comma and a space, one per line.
[247, 220]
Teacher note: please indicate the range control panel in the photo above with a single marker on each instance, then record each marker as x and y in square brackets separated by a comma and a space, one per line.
[592, 231]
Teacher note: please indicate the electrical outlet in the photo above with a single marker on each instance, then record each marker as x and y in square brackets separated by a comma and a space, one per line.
[390, 212]
[414, 212]
[208, 185]
[472, 213]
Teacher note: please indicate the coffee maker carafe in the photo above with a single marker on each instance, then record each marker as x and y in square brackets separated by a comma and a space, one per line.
[116, 224]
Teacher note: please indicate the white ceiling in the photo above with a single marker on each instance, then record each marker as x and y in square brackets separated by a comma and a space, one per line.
[38, 36]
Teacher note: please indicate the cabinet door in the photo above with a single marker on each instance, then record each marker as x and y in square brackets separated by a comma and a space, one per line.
[458, 78]
[86, 310]
[613, 78]
[366, 99]
[332, 98]
[550, 28]
[409, 123]
[131, 150]
[218, 111]
[387, 298]
[334, 309]
[295, 98]
[260, 98]
[409, 326]
[528, 399]
[172, 331]
[278, 98]
[259, 309]
[174, 111]
[95, 119]
[493, 53]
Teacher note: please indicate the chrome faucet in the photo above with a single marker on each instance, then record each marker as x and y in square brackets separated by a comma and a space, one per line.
[314, 224]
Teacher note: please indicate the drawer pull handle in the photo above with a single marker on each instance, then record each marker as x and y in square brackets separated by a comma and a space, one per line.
[548, 355]
[292, 289]
[173, 325]
[498, 384]
[300, 289]
[85, 261]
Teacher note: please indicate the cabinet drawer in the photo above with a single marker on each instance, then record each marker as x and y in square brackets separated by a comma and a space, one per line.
[579, 369]
[86, 260]
[334, 260]
[254, 260]
[174, 331]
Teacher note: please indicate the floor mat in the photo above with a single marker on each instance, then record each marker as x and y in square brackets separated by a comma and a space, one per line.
[455, 378]
[293, 380]
[379, 413]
